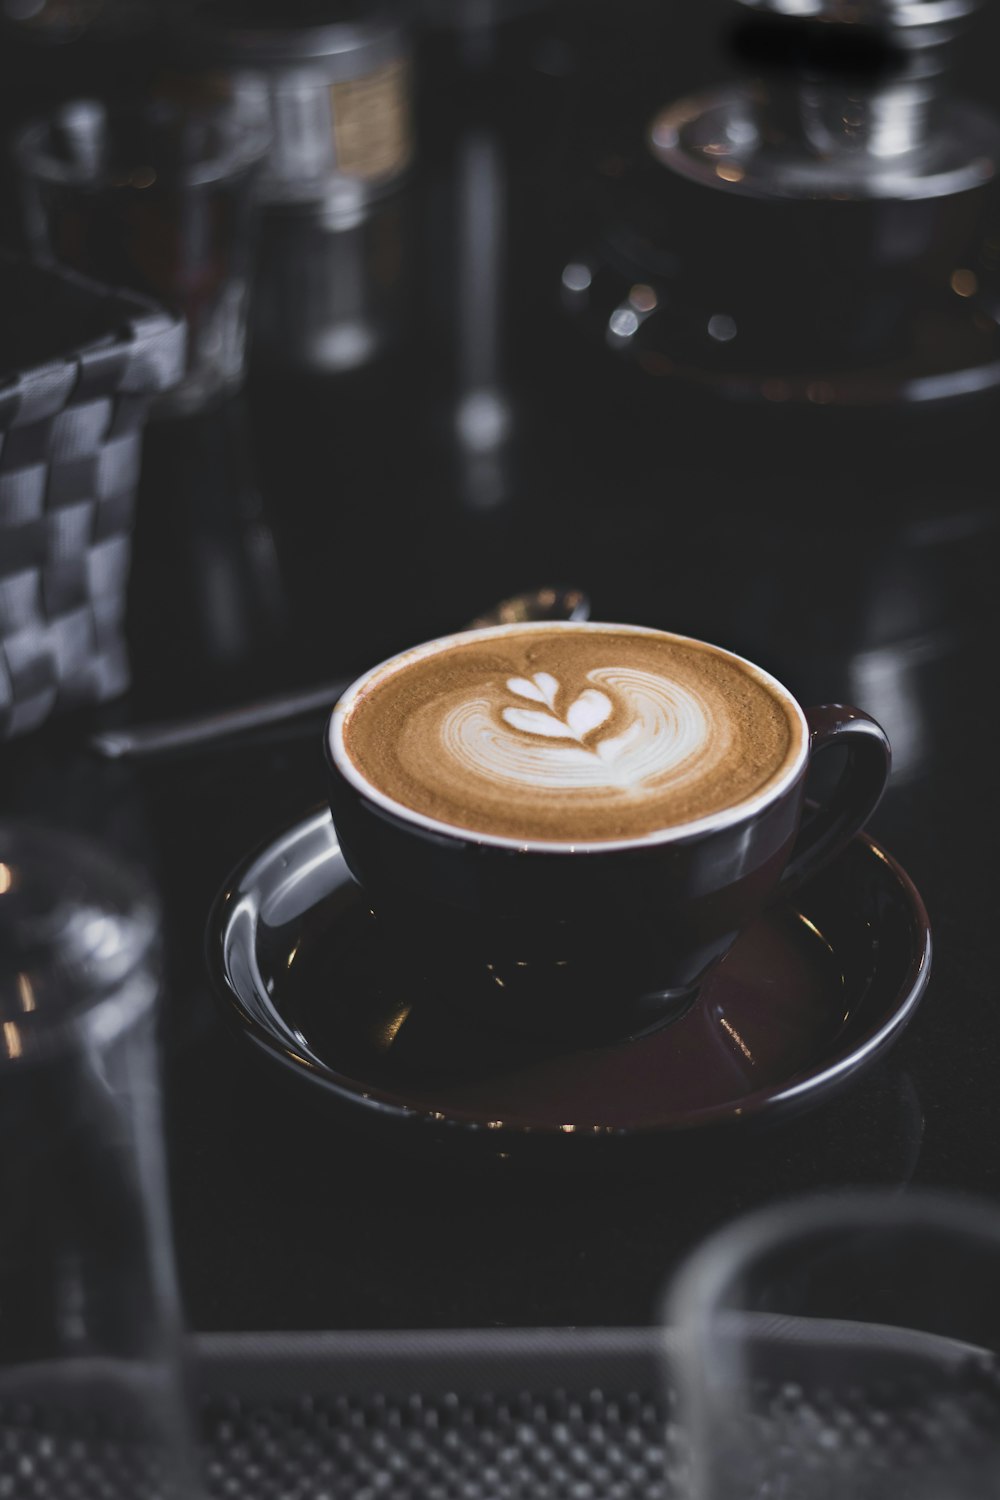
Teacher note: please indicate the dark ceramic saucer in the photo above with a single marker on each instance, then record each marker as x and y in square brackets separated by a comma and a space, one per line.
[807, 998]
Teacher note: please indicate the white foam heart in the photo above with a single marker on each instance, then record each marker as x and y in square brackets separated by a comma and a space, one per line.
[525, 689]
[548, 686]
[588, 712]
[530, 721]
[665, 740]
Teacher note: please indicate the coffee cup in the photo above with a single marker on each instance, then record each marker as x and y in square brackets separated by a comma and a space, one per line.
[562, 827]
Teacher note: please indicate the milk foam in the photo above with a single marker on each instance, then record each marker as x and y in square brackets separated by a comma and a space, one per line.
[668, 735]
[566, 735]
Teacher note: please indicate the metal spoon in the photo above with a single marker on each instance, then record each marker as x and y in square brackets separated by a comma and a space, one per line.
[181, 734]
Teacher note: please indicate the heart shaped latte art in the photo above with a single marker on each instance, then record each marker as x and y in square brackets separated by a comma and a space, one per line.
[666, 733]
[585, 713]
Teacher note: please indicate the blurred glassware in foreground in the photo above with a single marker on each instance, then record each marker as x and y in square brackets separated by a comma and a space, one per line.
[87, 361]
[91, 1398]
[843, 1345]
[155, 196]
[819, 231]
[332, 82]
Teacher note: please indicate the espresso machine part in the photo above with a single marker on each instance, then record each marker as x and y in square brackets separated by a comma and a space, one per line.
[818, 231]
[332, 83]
[852, 100]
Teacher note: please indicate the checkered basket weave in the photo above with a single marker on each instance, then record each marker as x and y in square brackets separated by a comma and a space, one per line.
[79, 364]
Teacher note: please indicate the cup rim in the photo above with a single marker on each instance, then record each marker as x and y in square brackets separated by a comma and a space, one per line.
[677, 833]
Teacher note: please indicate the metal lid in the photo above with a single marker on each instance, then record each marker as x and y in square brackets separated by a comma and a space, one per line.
[88, 143]
[890, 13]
[346, 37]
[909, 23]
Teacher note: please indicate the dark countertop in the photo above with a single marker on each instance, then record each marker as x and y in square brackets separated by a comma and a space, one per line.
[317, 523]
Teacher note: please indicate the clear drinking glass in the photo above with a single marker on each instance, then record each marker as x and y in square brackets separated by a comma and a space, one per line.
[156, 196]
[842, 1348]
[91, 1390]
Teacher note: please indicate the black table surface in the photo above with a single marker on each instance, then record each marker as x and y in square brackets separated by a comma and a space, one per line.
[314, 524]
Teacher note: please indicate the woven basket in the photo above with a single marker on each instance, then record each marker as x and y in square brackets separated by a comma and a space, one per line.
[79, 364]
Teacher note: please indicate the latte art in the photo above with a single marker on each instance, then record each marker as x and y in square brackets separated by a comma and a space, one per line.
[667, 734]
[565, 733]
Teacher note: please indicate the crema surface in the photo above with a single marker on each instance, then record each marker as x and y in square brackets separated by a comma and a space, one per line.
[570, 733]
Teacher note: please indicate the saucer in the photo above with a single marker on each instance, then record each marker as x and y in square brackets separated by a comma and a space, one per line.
[811, 994]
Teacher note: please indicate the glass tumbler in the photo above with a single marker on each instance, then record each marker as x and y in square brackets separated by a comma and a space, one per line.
[156, 196]
[91, 1389]
[842, 1348]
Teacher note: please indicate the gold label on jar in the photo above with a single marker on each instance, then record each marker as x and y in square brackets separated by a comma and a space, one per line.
[371, 122]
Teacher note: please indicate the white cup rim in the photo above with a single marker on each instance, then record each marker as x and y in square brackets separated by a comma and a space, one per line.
[677, 833]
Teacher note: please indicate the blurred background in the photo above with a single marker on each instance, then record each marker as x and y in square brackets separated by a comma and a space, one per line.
[692, 306]
[461, 319]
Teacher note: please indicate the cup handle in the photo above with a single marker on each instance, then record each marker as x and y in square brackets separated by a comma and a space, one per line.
[829, 827]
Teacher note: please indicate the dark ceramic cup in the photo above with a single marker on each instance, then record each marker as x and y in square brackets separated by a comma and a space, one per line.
[586, 943]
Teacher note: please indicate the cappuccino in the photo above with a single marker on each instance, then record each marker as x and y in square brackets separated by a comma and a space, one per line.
[568, 734]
